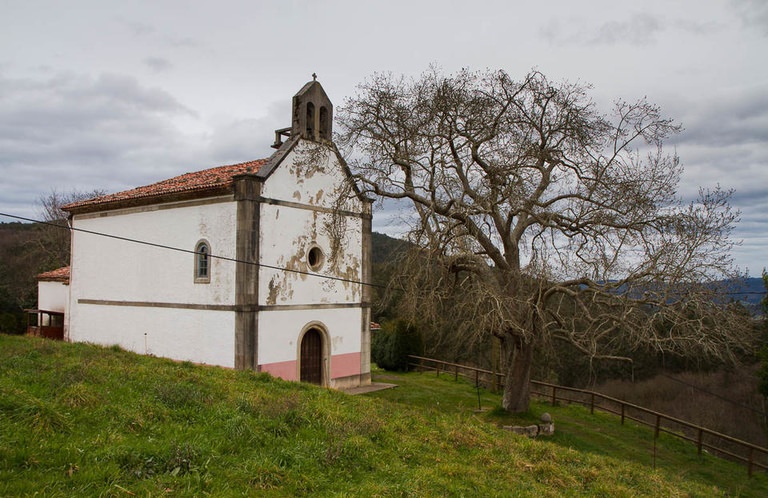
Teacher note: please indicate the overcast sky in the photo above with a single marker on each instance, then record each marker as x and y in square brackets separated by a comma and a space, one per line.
[101, 95]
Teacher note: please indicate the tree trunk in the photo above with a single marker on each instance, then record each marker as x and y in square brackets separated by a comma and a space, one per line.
[517, 392]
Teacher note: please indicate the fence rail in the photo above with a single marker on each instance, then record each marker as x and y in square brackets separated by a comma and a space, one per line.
[753, 456]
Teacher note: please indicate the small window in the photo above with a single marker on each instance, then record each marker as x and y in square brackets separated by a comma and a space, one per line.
[202, 263]
[315, 258]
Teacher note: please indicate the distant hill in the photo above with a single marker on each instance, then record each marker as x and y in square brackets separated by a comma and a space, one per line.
[385, 248]
[749, 292]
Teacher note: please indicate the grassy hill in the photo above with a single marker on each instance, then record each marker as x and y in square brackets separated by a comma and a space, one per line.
[78, 420]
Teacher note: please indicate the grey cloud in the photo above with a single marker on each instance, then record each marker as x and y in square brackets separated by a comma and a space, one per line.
[698, 28]
[69, 109]
[138, 28]
[125, 91]
[110, 132]
[639, 29]
[181, 41]
[247, 139]
[753, 14]
[726, 141]
[144, 30]
[158, 64]
[726, 119]
[70, 131]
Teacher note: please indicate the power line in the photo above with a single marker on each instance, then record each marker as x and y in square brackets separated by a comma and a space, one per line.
[190, 251]
[235, 260]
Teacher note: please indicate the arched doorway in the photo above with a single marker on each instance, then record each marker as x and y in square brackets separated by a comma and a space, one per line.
[311, 359]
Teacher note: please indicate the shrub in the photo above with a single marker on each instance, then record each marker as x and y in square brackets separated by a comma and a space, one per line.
[9, 324]
[392, 344]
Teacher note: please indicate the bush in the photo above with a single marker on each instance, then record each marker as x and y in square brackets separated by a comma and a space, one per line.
[9, 324]
[391, 345]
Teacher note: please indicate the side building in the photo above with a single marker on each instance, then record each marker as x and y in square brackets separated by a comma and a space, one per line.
[52, 305]
[259, 265]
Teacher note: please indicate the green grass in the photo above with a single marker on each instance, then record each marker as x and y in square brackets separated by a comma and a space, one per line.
[598, 434]
[78, 420]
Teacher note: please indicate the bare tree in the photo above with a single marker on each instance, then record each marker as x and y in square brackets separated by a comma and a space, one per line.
[541, 219]
[53, 237]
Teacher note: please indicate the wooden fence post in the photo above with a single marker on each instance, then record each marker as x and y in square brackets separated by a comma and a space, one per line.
[622, 413]
[554, 395]
[592, 403]
[749, 465]
[700, 440]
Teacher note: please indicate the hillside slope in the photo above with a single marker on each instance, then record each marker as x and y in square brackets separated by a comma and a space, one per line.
[79, 420]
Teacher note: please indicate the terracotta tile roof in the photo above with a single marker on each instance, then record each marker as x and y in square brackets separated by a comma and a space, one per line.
[58, 275]
[209, 179]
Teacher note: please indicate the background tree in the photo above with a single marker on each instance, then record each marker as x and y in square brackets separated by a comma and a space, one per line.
[764, 350]
[27, 249]
[391, 346]
[539, 219]
[18, 267]
[53, 238]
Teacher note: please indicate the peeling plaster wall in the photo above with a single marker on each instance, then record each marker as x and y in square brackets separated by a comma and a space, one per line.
[287, 234]
[311, 177]
[310, 174]
[160, 280]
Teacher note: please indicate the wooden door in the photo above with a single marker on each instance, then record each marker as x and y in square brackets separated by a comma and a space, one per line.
[312, 357]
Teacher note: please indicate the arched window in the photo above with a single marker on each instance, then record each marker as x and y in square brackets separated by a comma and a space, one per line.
[202, 262]
[310, 121]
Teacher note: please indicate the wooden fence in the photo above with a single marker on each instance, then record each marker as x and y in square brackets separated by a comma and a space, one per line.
[753, 456]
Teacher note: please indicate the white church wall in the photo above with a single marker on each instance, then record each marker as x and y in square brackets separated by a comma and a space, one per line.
[112, 269]
[200, 336]
[122, 290]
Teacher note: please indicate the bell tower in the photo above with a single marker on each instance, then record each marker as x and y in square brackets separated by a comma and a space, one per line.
[312, 113]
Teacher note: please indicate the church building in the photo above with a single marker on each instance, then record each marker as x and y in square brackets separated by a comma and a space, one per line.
[259, 265]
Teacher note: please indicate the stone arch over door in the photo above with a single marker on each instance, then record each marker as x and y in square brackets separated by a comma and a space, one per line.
[313, 354]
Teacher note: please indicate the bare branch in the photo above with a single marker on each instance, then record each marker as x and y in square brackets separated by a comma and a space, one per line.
[541, 219]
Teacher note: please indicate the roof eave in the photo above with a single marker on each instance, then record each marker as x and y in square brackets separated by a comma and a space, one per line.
[164, 198]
